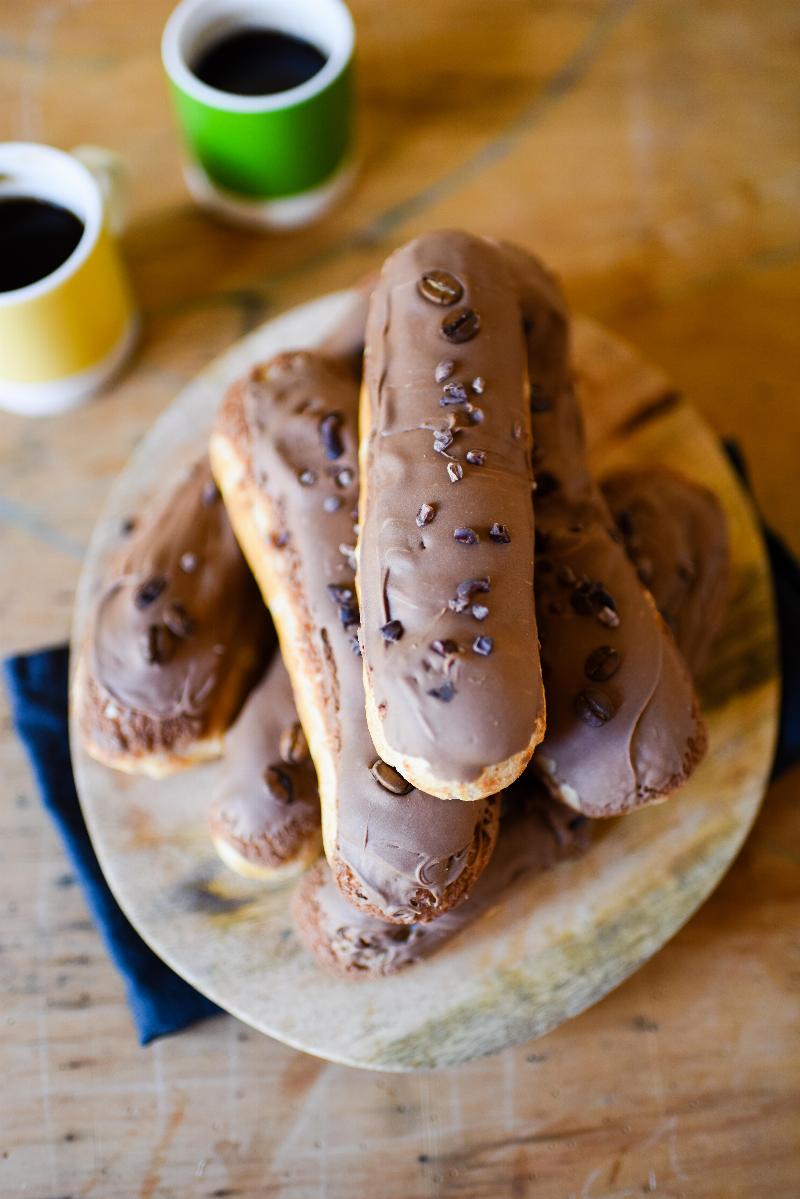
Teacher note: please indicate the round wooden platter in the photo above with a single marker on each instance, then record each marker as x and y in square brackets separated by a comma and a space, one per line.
[559, 941]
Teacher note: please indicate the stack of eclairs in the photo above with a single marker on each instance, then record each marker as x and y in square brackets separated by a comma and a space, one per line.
[481, 654]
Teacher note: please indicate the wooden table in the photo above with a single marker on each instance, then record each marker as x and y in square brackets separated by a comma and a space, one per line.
[649, 150]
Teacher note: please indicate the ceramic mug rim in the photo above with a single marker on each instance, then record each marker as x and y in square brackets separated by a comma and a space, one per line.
[31, 168]
[173, 52]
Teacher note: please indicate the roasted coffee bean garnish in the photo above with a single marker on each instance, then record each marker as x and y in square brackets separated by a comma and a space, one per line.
[601, 598]
[546, 483]
[307, 478]
[478, 385]
[444, 370]
[581, 599]
[539, 400]
[444, 647]
[499, 533]
[149, 591]
[157, 645]
[210, 493]
[594, 707]
[465, 536]
[480, 611]
[279, 784]
[425, 515]
[444, 693]
[188, 563]
[340, 593]
[609, 618]
[483, 646]
[440, 287]
[453, 393]
[389, 778]
[330, 434]
[461, 325]
[392, 630]
[344, 477]
[476, 457]
[442, 440]
[465, 592]
[475, 415]
[455, 472]
[177, 619]
[332, 503]
[349, 615]
[602, 664]
[293, 746]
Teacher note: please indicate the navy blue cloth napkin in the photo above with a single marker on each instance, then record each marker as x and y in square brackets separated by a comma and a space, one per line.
[160, 1001]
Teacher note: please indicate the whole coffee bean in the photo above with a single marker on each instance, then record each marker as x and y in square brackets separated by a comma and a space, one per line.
[594, 707]
[440, 287]
[461, 325]
[602, 664]
[389, 778]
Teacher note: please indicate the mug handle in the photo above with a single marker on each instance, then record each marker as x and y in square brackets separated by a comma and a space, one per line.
[111, 176]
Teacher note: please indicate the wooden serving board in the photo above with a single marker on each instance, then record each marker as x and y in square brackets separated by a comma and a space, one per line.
[559, 941]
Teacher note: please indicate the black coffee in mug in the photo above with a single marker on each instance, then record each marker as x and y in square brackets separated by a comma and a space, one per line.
[36, 237]
[258, 62]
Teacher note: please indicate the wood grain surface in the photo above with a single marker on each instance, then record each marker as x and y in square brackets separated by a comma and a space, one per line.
[649, 149]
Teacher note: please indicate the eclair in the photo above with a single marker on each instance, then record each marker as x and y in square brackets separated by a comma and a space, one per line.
[265, 821]
[176, 640]
[623, 723]
[676, 535]
[537, 833]
[283, 451]
[445, 552]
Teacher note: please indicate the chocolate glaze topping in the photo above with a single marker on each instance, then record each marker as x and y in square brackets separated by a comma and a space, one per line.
[676, 536]
[611, 744]
[405, 850]
[444, 327]
[536, 833]
[265, 823]
[170, 626]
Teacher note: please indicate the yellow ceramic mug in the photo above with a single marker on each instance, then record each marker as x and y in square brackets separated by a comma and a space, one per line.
[62, 337]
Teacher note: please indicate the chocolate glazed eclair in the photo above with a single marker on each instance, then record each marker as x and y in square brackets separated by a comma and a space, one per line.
[265, 821]
[537, 833]
[284, 453]
[176, 640]
[623, 723]
[676, 535]
[446, 543]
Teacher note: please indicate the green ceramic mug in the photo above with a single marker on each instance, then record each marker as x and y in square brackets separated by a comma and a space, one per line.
[277, 160]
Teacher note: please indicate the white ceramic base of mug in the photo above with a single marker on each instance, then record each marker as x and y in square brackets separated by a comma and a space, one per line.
[59, 395]
[291, 212]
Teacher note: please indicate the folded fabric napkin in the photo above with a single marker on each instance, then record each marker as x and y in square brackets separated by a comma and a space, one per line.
[160, 1001]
